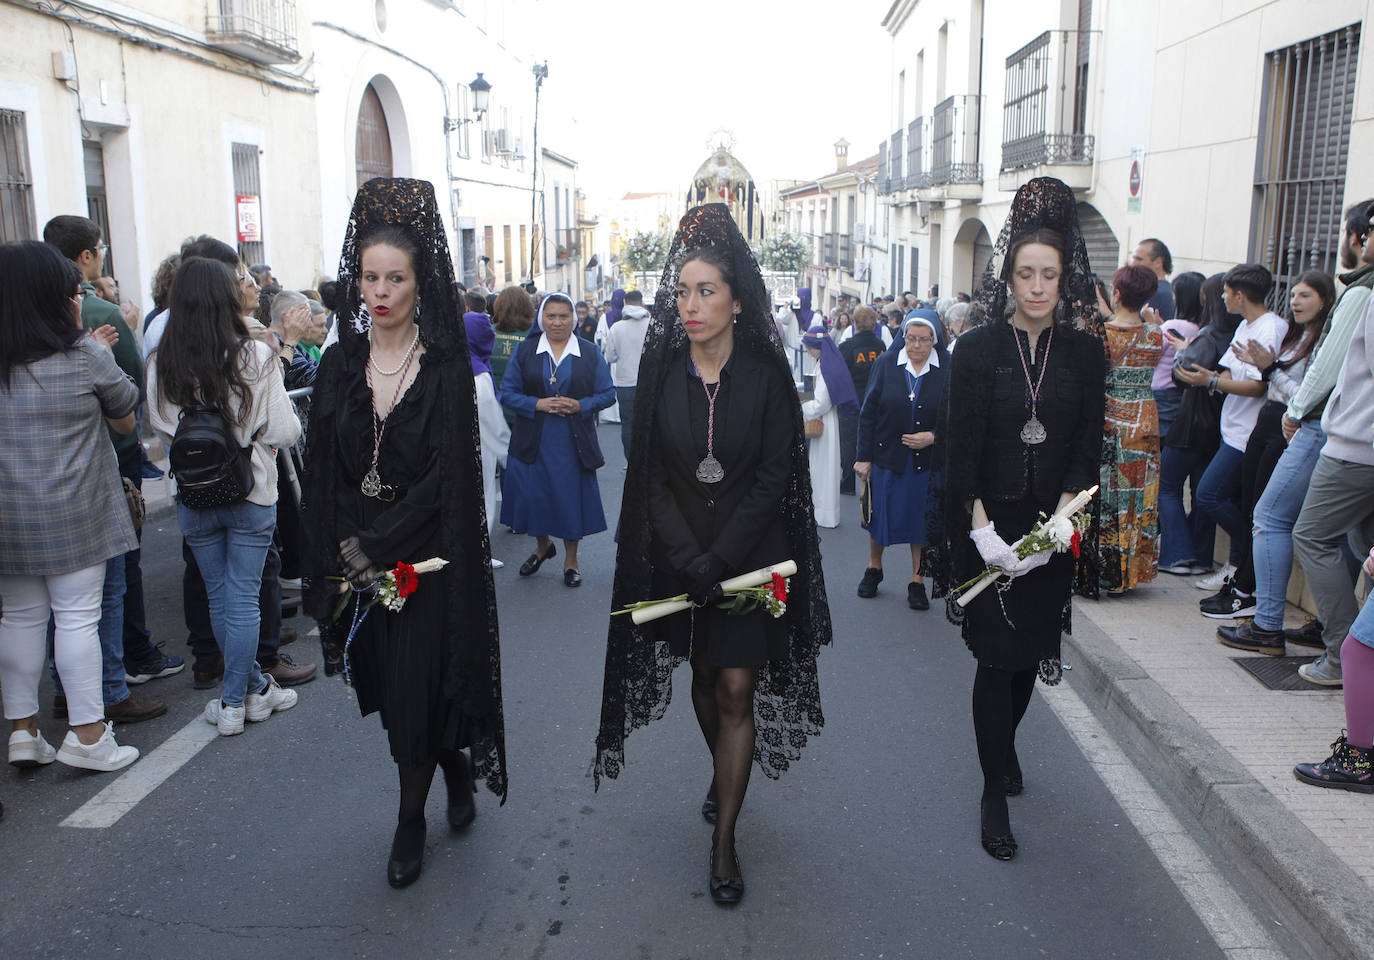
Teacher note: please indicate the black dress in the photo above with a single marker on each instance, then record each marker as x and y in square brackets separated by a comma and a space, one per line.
[398, 660]
[1018, 625]
[737, 518]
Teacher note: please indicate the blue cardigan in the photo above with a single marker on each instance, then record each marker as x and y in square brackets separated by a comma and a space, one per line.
[887, 414]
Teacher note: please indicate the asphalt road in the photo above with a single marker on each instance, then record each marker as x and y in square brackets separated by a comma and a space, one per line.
[274, 844]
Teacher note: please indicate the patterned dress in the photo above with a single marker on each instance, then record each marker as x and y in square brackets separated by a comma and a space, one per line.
[1128, 501]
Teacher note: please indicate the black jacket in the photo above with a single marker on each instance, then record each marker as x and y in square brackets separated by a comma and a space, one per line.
[861, 353]
[736, 519]
[990, 400]
[887, 414]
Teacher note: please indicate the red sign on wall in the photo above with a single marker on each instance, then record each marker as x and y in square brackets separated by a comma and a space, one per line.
[248, 212]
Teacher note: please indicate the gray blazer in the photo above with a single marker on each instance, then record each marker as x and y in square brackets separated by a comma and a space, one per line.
[63, 507]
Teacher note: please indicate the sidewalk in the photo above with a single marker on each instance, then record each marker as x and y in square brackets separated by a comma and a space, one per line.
[1226, 745]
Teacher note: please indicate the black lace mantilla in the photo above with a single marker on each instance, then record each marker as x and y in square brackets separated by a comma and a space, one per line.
[473, 677]
[1042, 202]
[639, 669]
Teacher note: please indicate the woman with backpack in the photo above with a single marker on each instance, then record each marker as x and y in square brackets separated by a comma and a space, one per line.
[63, 516]
[216, 398]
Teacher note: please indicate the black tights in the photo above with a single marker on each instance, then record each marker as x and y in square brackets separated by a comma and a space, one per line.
[723, 698]
[1000, 699]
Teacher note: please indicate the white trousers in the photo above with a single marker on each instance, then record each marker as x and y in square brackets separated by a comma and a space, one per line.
[73, 601]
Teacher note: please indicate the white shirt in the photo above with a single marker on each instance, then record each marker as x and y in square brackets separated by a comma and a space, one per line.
[882, 331]
[624, 346]
[904, 361]
[570, 349]
[1238, 414]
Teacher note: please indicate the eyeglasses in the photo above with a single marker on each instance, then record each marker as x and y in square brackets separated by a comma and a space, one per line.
[922, 341]
[101, 247]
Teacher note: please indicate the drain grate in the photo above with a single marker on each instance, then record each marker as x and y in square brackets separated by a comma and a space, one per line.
[1279, 673]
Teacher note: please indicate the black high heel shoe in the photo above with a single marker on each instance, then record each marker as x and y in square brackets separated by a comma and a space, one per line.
[999, 847]
[726, 891]
[462, 808]
[535, 560]
[407, 854]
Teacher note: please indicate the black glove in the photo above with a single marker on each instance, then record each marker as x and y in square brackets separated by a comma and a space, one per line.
[354, 562]
[702, 576]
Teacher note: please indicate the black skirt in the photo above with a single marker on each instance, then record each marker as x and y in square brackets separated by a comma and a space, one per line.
[1016, 626]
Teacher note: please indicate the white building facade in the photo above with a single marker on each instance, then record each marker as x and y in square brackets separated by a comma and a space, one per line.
[1227, 130]
[162, 120]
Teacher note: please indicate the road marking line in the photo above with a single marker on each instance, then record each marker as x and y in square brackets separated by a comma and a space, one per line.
[146, 775]
[1218, 906]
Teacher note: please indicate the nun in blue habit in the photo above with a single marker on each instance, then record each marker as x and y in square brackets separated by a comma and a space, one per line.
[554, 384]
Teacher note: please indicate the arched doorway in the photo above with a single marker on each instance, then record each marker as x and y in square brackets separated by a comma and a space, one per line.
[1104, 252]
[973, 251]
[373, 149]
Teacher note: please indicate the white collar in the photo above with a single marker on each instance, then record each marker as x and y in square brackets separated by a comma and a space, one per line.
[571, 349]
[904, 361]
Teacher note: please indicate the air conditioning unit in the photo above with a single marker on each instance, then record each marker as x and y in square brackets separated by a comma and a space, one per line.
[860, 233]
[505, 142]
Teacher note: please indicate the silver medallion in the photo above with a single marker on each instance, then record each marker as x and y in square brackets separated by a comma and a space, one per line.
[372, 483]
[710, 470]
[1033, 432]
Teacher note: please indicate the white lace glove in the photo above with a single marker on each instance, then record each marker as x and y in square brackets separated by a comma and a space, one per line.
[994, 550]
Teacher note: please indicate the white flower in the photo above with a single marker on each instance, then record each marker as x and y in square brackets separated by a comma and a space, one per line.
[1060, 532]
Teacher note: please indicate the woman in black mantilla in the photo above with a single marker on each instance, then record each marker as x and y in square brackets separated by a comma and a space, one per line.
[717, 485]
[1022, 448]
[394, 473]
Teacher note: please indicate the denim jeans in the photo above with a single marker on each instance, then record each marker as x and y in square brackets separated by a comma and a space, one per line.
[1185, 536]
[230, 545]
[1218, 496]
[625, 397]
[1276, 512]
[1167, 402]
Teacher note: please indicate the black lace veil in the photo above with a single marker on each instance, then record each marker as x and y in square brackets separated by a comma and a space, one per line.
[473, 676]
[1044, 202]
[638, 678]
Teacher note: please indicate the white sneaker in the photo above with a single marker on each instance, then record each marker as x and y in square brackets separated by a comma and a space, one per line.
[1217, 580]
[30, 750]
[497, 564]
[272, 700]
[228, 720]
[104, 755]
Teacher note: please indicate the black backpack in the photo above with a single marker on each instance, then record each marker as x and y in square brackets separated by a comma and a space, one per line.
[210, 468]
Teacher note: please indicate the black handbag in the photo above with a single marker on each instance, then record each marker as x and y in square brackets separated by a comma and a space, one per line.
[1198, 423]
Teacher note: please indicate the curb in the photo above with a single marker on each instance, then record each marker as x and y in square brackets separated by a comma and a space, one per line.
[1234, 808]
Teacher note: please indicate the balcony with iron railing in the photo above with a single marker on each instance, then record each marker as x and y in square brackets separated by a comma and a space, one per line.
[263, 31]
[1045, 111]
[954, 149]
[838, 252]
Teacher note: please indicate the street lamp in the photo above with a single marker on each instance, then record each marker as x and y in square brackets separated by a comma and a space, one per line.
[481, 98]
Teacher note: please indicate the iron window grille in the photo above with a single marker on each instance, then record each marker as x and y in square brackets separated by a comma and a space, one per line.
[262, 30]
[954, 146]
[1045, 109]
[17, 218]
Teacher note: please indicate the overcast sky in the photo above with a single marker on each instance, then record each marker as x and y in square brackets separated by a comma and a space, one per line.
[636, 87]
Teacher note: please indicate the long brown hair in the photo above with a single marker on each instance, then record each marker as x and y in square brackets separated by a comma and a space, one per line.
[202, 354]
[1322, 285]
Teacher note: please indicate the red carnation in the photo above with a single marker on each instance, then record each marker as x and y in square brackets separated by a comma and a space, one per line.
[1076, 543]
[779, 588]
[406, 579]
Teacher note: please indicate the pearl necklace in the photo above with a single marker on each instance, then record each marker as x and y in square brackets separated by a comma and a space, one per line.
[372, 360]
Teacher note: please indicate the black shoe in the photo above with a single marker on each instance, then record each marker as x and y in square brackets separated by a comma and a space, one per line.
[1227, 604]
[710, 811]
[462, 808]
[868, 586]
[1348, 768]
[535, 560]
[571, 578]
[726, 891]
[1247, 636]
[407, 854]
[916, 596]
[1307, 635]
[999, 847]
